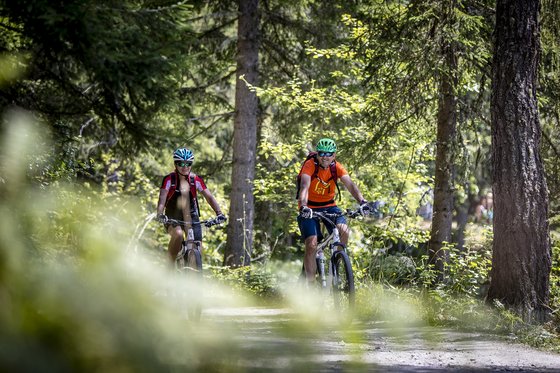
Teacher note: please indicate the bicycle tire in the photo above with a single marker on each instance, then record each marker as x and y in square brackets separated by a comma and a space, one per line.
[194, 310]
[344, 291]
[197, 259]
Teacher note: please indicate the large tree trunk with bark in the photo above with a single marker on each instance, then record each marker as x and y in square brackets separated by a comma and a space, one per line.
[521, 258]
[241, 213]
[445, 162]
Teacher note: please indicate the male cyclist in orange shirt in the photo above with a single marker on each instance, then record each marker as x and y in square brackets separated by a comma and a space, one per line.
[317, 193]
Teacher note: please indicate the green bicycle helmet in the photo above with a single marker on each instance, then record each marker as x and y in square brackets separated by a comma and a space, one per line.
[326, 145]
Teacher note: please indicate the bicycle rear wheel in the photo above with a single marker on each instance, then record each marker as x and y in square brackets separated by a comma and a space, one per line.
[344, 292]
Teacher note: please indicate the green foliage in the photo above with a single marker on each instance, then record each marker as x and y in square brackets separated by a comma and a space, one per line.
[467, 272]
[387, 254]
[442, 308]
[108, 79]
[256, 280]
[394, 269]
[549, 64]
[398, 256]
[542, 336]
[555, 279]
[376, 95]
[113, 64]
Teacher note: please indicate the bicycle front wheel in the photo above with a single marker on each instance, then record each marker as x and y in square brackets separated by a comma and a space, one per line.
[343, 284]
[193, 258]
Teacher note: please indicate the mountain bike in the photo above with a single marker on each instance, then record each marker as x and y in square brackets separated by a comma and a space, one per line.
[338, 275]
[189, 258]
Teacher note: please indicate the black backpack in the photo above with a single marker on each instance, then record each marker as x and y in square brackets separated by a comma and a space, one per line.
[332, 167]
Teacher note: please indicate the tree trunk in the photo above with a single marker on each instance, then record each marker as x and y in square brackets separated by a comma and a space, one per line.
[521, 259]
[445, 167]
[240, 228]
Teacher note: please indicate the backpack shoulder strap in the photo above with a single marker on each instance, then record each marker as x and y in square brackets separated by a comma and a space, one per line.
[192, 183]
[172, 187]
[313, 156]
[193, 194]
[334, 175]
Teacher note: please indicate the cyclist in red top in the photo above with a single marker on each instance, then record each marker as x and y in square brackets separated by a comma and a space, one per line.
[175, 188]
[317, 194]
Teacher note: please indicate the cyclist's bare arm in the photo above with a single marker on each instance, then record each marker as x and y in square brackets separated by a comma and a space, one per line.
[352, 188]
[211, 201]
[305, 182]
[161, 201]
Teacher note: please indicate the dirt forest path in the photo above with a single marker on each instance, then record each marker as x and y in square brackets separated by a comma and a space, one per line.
[272, 340]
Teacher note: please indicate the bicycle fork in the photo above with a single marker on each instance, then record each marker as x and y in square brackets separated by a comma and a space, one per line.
[332, 278]
[320, 259]
[182, 256]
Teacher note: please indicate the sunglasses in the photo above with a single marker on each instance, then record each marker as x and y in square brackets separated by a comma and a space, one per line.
[183, 164]
[325, 154]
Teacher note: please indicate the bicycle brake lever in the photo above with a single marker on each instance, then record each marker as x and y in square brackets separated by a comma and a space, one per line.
[354, 214]
[211, 223]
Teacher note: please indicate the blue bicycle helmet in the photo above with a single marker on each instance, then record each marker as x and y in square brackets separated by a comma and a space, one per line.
[183, 154]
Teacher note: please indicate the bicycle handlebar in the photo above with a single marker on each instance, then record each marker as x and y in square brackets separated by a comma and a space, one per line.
[374, 212]
[207, 223]
[329, 215]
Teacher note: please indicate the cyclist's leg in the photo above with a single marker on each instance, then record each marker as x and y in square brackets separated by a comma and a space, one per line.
[309, 258]
[344, 233]
[309, 229]
[175, 240]
[176, 232]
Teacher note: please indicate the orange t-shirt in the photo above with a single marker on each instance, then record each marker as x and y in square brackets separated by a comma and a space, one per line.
[322, 188]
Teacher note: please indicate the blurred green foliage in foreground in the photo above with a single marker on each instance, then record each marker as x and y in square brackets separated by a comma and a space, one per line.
[75, 295]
